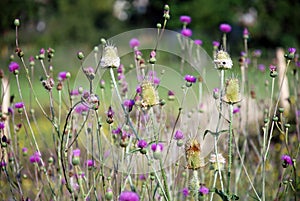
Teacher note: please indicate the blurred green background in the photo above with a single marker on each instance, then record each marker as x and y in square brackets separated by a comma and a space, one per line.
[57, 23]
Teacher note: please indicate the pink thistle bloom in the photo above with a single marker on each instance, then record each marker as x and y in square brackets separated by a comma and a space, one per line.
[292, 50]
[190, 78]
[35, 158]
[134, 42]
[236, 110]
[90, 163]
[261, 67]
[19, 105]
[42, 51]
[76, 152]
[129, 196]
[287, 160]
[142, 144]
[185, 19]
[272, 68]
[203, 190]
[13, 66]
[225, 28]
[216, 44]
[2, 125]
[186, 32]
[178, 135]
[81, 108]
[198, 42]
[185, 192]
[157, 147]
[62, 76]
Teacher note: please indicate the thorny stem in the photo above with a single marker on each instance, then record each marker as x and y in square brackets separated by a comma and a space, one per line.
[229, 148]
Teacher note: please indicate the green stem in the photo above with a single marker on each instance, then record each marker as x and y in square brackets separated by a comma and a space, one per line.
[229, 148]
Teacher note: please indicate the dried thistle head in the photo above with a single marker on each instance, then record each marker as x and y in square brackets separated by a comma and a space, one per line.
[223, 60]
[192, 153]
[232, 91]
[110, 58]
[149, 94]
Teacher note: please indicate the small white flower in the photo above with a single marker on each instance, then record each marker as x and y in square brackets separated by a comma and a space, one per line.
[223, 60]
[110, 58]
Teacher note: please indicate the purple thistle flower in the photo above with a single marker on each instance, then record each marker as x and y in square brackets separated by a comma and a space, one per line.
[153, 54]
[19, 105]
[185, 192]
[143, 177]
[157, 147]
[76, 152]
[246, 33]
[2, 163]
[35, 158]
[203, 190]
[129, 103]
[272, 68]
[116, 131]
[13, 66]
[292, 50]
[134, 42]
[185, 19]
[190, 78]
[129, 196]
[81, 108]
[2, 125]
[90, 163]
[178, 135]
[287, 160]
[225, 28]
[74, 92]
[236, 110]
[62, 76]
[24, 149]
[110, 112]
[138, 89]
[186, 32]
[171, 93]
[216, 44]
[261, 67]
[198, 42]
[142, 144]
[257, 53]
[42, 51]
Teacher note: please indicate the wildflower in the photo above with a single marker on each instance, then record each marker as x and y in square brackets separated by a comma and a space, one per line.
[110, 114]
[35, 158]
[216, 44]
[203, 190]
[178, 135]
[236, 110]
[63, 75]
[291, 53]
[134, 42]
[102, 84]
[19, 105]
[198, 42]
[273, 72]
[110, 58]
[2, 163]
[213, 162]
[223, 60]
[287, 160]
[2, 125]
[109, 194]
[129, 104]
[171, 95]
[89, 72]
[246, 33]
[17, 22]
[232, 91]
[24, 151]
[80, 55]
[142, 144]
[31, 61]
[186, 32]
[216, 93]
[185, 192]
[157, 149]
[13, 66]
[190, 78]
[116, 131]
[81, 108]
[75, 158]
[256, 53]
[225, 28]
[261, 67]
[192, 153]
[90, 163]
[129, 196]
[185, 19]
[149, 95]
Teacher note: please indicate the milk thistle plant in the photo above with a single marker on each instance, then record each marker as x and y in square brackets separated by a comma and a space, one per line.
[154, 119]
